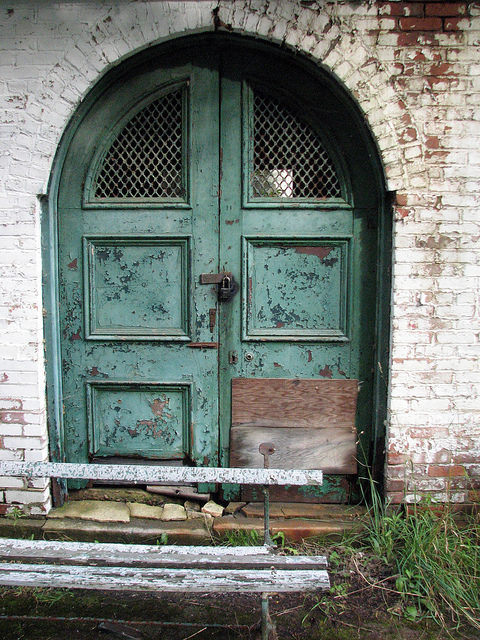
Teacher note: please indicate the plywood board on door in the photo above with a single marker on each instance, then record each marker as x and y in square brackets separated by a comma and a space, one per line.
[311, 423]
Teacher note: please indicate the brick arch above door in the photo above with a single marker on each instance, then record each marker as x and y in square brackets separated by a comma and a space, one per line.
[83, 62]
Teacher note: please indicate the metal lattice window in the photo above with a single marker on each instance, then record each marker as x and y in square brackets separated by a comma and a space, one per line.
[289, 160]
[146, 158]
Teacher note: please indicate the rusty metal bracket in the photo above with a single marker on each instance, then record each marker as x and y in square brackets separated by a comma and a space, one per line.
[203, 345]
[266, 449]
[212, 319]
[214, 278]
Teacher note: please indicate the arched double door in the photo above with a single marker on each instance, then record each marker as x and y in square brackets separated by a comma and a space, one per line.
[217, 225]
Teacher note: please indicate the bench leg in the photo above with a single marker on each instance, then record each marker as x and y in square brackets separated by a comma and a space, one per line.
[268, 626]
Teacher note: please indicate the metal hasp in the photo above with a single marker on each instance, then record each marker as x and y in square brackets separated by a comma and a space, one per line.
[268, 628]
[227, 285]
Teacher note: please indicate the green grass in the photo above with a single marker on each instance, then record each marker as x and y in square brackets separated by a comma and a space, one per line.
[434, 558]
[241, 538]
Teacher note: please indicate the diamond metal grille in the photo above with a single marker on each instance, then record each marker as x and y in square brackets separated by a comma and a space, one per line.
[289, 160]
[146, 158]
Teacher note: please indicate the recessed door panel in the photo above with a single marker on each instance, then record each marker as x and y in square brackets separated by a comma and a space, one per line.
[155, 417]
[296, 289]
[137, 288]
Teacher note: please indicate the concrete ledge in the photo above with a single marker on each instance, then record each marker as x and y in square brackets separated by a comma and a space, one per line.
[137, 530]
[295, 529]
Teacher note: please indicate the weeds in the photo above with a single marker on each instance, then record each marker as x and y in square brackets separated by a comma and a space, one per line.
[434, 559]
[241, 538]
[15, 513]
[252, 538]
[162, 540]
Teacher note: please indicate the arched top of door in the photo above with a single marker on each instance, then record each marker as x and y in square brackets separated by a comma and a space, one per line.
[290, 90]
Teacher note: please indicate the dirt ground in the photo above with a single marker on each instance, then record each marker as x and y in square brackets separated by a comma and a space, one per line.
[351, 610]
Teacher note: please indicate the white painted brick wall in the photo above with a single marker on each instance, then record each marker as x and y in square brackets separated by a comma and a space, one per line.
[420, 94]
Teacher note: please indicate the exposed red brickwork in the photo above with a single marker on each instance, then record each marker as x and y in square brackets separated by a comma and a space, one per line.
[447, 471]
[12, 417]
[414, 39]
[446, 9]
[453, 24]
[420, 24]
[433, 16]
[402, 9]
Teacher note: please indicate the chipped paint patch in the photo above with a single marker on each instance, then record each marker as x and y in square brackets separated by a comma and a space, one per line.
[326, 372]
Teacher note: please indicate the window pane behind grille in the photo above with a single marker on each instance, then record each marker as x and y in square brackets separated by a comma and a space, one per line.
[289, 160]
[146, 158]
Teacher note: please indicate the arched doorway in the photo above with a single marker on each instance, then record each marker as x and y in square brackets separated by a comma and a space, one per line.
[219, 223]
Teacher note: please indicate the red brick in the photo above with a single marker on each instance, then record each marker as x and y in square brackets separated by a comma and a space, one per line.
[402, 212]
[396, 497]
[406, 9]
[432, 142]
[439, 155]
[445, 9]
[3, 509]
[12, 417]
[446, 471]
[408, 135]
[452, 24]
[401, 199]
[474, 496]
[416, 39]
[394, 485]
[420, 24]
[439, 69]
[396, 458]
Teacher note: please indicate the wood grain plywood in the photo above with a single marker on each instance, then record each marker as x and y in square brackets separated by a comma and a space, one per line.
[311, 423]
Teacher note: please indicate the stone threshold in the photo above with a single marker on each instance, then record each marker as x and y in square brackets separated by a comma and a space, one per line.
[136, 522]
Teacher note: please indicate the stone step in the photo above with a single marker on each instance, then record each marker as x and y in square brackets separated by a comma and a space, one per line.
[114, 521]
[301, 510]
[295, 530]
[141, 531]
[193, 531]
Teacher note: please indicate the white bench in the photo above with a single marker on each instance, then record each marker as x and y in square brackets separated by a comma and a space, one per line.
[132, 567]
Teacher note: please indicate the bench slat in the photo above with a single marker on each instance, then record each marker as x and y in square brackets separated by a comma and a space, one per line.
[146, 474]
[63, 546]
[154, 579]
[105, 554]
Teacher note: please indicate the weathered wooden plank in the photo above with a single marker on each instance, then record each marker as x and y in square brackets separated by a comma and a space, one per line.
[104, 548]
[333, 449]
[106, 554]
[155, 579]
[295, 403]
[145, 474]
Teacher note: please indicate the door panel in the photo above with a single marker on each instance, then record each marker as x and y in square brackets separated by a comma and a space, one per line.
[137, 288]
[295, 288]
[154, 418]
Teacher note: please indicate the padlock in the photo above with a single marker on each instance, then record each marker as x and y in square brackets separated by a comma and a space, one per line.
[228, 288]
[225, 289]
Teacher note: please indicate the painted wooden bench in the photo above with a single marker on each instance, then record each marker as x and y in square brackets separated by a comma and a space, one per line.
[258, 569]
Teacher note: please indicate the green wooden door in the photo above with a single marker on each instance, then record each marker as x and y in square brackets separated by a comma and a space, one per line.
[217, 160]
[297, 227]
[138, 212]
